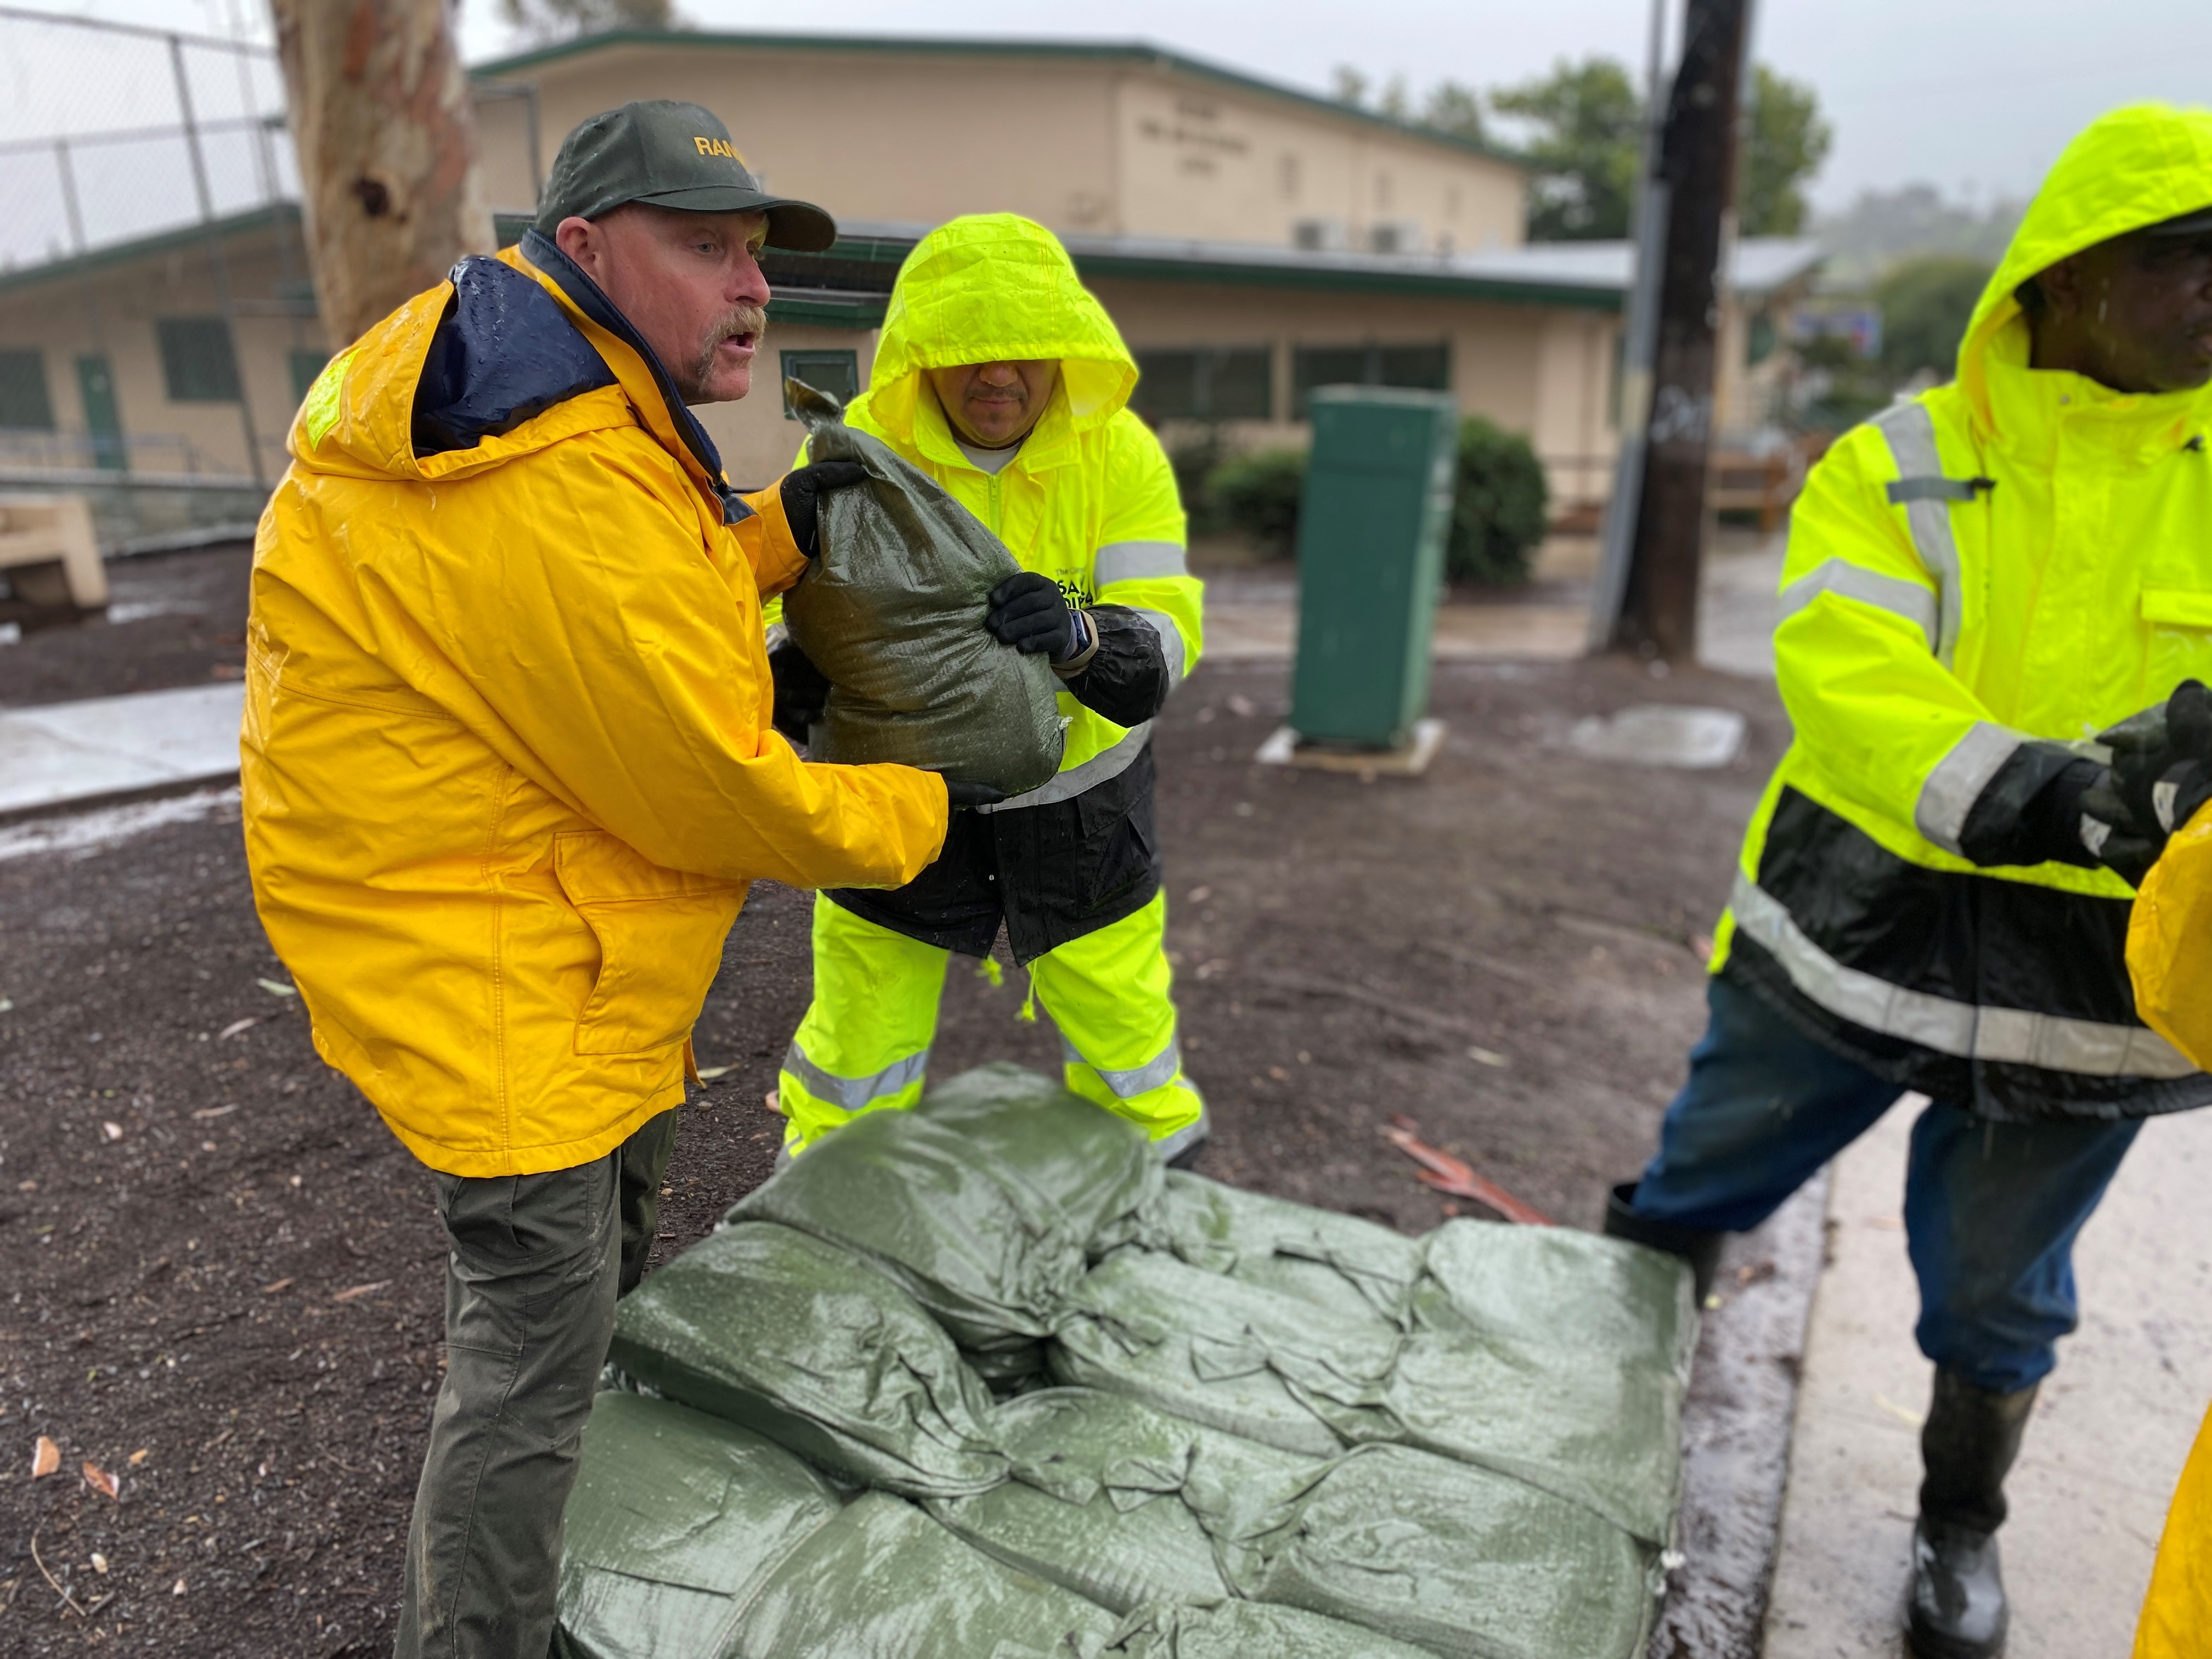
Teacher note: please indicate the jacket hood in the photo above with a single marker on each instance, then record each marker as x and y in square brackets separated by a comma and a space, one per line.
[991, 287]
[500, 361]
[2135, 167]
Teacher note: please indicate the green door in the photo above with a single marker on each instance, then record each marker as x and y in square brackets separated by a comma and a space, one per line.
[97, 387]
[1371, 525]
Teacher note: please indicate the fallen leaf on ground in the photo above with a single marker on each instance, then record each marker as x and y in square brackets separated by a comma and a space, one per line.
[275, 989]
[708, 1073]
[281, 1285]
[1905, 1414]
[238, 1025]
[360, 1290]
[101, 1480]
[6, 1005]
[206, 1112]
[141, 1455]
[1447, 1174]
[111, 1130]
[773, 1102]
[99, 1562]
[1487, 1056]
[46, 1458]
[177, 1589]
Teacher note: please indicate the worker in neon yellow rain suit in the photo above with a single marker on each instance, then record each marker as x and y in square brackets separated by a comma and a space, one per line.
[1935, 893]
[1003, 378]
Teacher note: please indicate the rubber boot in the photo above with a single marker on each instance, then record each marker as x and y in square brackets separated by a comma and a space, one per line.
[1957, 1609]
[1699, 1246]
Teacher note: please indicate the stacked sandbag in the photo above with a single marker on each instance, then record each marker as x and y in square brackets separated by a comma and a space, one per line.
[1246, 1630]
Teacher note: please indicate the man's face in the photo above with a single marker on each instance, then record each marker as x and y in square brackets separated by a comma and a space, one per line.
[2134, 313]
[994, 404]
[689, 282]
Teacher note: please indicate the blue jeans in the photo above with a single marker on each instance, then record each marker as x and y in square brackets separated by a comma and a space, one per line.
[1991, 1209]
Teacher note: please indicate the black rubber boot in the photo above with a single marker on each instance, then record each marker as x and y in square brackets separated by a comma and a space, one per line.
[1957, 1609]
[1699, 1246]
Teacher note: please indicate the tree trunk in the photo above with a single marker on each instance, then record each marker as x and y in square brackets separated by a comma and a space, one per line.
[387, 149]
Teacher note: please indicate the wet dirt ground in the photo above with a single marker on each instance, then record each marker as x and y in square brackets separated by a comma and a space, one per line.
[222, 1266]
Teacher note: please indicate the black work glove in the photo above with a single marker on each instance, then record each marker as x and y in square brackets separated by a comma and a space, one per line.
[1030, 613]
[961, 795]
[802, 691]
[2118, 839]
[802, 491]
[2162, 763]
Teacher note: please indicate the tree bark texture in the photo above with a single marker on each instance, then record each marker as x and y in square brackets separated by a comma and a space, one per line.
[1697, 160]
[380, 112]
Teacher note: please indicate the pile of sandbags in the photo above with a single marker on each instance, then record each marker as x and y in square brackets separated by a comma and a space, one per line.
[980, 1381]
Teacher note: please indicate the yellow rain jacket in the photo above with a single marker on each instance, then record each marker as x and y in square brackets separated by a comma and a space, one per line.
[507, 765]
[1976, 577]
[2177, 1614]
[1089, 499]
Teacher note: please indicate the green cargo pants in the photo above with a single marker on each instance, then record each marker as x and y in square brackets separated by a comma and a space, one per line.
[535, 1265]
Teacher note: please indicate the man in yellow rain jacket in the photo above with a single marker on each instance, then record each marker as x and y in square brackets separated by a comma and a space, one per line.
[1930, 897]
[507, 769]
[1003, 378]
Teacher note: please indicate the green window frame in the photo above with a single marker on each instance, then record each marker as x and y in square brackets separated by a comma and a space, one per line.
[1206, 383]
[1418, 367]
[26, 404]
[199, 364]
[834, 371]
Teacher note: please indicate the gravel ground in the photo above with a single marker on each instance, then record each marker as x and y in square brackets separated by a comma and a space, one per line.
[223, 1268]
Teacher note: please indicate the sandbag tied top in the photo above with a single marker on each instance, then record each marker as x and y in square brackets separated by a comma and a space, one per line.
[891, 611]
[979, 1202]
[1241, 1629]
[674, 1518]
[810, 1346]
[883, 1581]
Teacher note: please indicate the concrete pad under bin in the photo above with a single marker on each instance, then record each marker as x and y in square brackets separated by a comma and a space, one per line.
[58, 754]
[1662, 734]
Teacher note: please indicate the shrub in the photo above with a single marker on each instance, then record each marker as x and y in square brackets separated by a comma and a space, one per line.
[1259, 492]
[1499, 510]
[1196, 453]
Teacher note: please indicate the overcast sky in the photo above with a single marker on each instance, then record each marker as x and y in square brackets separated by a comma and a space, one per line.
[1975, 96]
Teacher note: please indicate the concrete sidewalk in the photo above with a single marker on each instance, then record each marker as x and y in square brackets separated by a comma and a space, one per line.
[54, 754]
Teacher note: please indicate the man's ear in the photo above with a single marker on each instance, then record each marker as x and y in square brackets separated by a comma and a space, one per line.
[2061, 285]
[583, 242]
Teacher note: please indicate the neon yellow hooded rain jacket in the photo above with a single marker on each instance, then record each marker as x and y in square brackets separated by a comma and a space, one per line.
[507, 764]
[1089, 499]
[2016, 555]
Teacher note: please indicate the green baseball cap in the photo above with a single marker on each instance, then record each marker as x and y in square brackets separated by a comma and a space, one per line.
[672, 155]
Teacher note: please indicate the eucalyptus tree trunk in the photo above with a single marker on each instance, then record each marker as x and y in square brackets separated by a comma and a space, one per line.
[380, 113]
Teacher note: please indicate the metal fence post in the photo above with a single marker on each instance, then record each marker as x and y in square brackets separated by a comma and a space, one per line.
[218, 263]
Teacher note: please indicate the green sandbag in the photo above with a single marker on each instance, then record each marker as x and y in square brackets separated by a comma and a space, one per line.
[1112, 1499]
[807, 1343]
[978, 1201]
[891, 611]
[1559, 1287]
[1466, 1563]
[1247, 1630]
[674, 1517]
[1316, 1255]
[883, 1581]
[1274, 1368]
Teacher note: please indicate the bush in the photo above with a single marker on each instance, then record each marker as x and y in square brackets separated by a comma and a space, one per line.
[1500, 509]
[1926, 304]
[1196, 453]
[1258, 493]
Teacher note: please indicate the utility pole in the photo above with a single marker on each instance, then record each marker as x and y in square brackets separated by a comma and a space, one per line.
[387, 151]
[1698, 147]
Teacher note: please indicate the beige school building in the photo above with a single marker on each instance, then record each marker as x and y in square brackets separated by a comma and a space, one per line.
[1250, 240]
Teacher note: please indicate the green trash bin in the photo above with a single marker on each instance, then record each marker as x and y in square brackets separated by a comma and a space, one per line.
[1371, 526]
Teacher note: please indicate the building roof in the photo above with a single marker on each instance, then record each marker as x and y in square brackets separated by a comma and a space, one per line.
[191, 235]
[1140, 53]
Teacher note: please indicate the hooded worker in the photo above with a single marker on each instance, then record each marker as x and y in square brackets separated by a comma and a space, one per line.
[1935, 891]
[507, 769]
[999, 376]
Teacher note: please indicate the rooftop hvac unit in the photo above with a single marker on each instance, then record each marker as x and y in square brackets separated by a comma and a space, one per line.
[1394, 236]
[1318, 236]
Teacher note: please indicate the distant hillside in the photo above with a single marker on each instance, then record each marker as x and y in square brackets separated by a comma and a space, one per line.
[1883, 227]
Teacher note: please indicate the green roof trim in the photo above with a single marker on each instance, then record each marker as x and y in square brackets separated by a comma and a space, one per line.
[270, 218]
[824, 309]
[1138, 52]
[1270, 273]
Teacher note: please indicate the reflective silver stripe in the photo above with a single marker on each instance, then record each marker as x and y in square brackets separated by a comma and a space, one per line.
[853, 1093]
[1170, 640]
[1155, 1073]
[1136, 561]
[1958, 781]
[777, 633]
[1908, 599]
[1911, 431]
[1106, 763]
[2010, 1035]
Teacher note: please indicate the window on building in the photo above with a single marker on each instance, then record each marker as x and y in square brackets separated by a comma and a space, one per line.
[837, 373]
[305, 366]
[1417, 367]
[197, 363]
[1211, 383]
[24, 403]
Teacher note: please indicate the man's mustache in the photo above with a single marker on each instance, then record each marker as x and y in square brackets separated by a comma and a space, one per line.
[745, 317]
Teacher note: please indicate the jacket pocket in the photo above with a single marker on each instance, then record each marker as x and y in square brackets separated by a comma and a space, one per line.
[1120, 841]
[2178, 607]
[659, 933]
